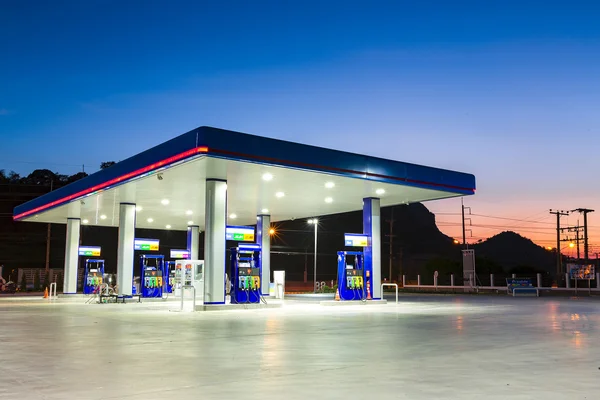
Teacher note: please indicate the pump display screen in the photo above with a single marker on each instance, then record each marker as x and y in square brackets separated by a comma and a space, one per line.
[90, 251]
[239, 233]
[356, 240]
[249, 271]
[146, 244]
[180, 254]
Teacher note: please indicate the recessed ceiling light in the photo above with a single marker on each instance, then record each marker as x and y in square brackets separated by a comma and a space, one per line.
[264, 210]
[189, 212]
[168, 226]
[267, 177]
[279, 194]
[138, 208]
[190, 222]
[85, 221]
[165, 202]
[328, 200]
[150, 220]
[329, 185]
[103, 216]
[380, 191]
[232, 216]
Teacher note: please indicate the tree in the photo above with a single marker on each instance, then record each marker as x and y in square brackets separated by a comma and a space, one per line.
[46, 280]
[41, 177]
[36, 282]
[107, 164]
[524, 269]
[13, 177]
[444, 266]
[76, 177]
[484, 265]
[62, 179]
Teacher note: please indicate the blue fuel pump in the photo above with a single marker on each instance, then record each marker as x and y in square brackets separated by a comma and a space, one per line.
[245, 274]
[152, 278]
[353, 277]
[93, 275]
[169, 276]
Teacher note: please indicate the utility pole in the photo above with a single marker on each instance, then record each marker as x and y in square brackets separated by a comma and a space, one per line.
[464, 230]
[575, 229]
[391, 236]
[558, 214]
[577, 239]
[585, 212]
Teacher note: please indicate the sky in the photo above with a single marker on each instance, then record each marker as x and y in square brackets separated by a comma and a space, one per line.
[508, 91]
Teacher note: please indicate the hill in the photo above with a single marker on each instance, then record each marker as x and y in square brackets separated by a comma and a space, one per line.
[511, 250]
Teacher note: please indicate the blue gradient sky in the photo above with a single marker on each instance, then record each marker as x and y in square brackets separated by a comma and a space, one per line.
[508, 91]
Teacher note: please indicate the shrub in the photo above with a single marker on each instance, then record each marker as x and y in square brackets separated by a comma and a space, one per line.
[46, 280]
[36, 282]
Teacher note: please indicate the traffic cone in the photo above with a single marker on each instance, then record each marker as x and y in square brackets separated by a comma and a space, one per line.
[337, 294]
[46, 293]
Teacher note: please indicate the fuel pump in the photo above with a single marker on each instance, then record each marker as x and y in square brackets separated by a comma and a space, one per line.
[152, 275]
[352, 276]
[245, 274]
[93, 275]
[169, 276]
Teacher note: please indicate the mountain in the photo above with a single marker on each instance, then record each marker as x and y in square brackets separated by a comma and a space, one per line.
[511, 250]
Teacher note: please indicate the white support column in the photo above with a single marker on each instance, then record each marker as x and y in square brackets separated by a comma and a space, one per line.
[263, 226]
[214, 241]
[125, 248]
[193, 241]
[71, 256]
[372, 228]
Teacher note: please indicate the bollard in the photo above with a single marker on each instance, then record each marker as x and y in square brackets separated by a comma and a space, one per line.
[452, 280]
[514, 276]
[539, 280]
[492, 280]
[435, 281]
[567, 280]
[418, 280]
[403, 280]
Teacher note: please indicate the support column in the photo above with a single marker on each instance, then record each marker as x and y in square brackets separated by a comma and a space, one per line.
[125, 248]
[263, 226]
[214, 241]
[193, 241]
[71, 256]
[372, 228]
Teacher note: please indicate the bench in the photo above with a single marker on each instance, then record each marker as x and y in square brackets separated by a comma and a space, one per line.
[117, 297]
[521, 286]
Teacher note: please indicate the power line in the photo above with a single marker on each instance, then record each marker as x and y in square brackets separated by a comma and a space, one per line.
[558, 213]
[512, 219]
[585, 212]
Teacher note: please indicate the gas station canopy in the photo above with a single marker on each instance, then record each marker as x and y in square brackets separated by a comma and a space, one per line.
[264, 176]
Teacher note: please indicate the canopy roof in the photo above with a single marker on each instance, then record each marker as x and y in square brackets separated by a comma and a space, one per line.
[264, 176]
